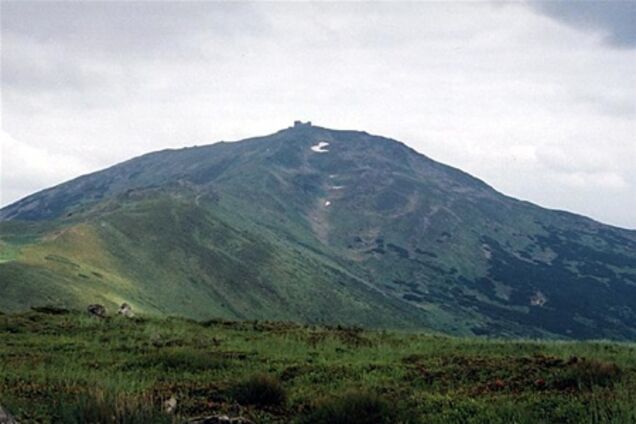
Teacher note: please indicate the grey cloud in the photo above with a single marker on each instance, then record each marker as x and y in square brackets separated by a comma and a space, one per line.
[86, 52]
[128, 27]
[611, 106]
[36, 69]
[617, 19]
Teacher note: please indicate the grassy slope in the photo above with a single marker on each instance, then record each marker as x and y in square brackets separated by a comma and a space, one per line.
[164, 256]
[71, 367]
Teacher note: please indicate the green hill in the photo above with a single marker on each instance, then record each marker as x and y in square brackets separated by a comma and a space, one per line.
[320, 226]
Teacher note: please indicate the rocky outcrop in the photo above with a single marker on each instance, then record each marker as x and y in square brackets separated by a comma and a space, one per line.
[97, 311]
[6, 418]
[126, 310]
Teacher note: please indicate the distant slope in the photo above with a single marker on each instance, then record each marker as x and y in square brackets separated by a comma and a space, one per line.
[318, 225]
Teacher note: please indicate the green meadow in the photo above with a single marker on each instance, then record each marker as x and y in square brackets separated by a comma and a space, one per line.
[61, 366]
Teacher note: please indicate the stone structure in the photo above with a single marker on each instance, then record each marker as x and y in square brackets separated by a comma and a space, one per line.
[300, 124]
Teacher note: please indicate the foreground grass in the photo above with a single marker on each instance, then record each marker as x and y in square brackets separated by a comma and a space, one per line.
[72, 368]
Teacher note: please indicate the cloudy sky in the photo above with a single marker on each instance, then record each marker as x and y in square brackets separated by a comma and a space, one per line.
[537, 99]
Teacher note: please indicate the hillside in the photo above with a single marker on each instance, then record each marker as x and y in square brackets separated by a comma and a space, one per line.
[320, 226]
[272, 372]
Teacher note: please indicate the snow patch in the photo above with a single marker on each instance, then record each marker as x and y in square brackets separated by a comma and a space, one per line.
[327, 203]
[538, 299]
[487, 251]
[320, 147]
[337, 187]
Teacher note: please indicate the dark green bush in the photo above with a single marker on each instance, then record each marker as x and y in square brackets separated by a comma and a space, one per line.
[188, 360]
[354, 407]
[51, 310]
[260, 390]
[587, 373]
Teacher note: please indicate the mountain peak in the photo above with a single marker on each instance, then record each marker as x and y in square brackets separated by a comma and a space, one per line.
[313, 223]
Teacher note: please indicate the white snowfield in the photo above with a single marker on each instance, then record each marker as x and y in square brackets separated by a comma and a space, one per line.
[327, 203]
[320, 147]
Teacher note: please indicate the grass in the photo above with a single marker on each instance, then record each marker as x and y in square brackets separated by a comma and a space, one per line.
[8, 252]
[58, 366]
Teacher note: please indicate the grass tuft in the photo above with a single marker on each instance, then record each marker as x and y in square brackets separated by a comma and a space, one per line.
[354, 407]
[260, 390]
[588, 373]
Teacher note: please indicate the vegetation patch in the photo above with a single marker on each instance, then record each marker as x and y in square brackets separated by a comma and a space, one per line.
[587, 373]
[52, 310]
[260, 390]
[353, 407]
[61, 260]
[178, 360]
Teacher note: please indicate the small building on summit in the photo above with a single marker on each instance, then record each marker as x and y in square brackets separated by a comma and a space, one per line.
[300, 124]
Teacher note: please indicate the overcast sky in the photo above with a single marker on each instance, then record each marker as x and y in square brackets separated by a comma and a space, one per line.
[537, 99]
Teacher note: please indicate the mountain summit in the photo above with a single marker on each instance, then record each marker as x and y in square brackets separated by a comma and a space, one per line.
[318, 225]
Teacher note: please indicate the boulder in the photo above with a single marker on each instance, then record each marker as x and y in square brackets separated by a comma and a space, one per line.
[96, 310]
[170, 406]
[126, 310]
[6, 418]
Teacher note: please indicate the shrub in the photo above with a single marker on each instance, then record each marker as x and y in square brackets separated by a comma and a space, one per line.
[587, 373]
[354, 407]
[260, 390]
[50, 310]
[187, 360]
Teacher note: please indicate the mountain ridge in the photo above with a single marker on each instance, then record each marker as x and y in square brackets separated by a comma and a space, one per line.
[5, 213]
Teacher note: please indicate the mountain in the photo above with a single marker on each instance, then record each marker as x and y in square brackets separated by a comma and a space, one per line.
[320, 226]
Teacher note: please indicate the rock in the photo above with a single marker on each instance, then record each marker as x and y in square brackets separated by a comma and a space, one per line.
[96, 310]
[170, 406]
[219, 419]
[6, 418]
[538, 299]
[126, 310]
